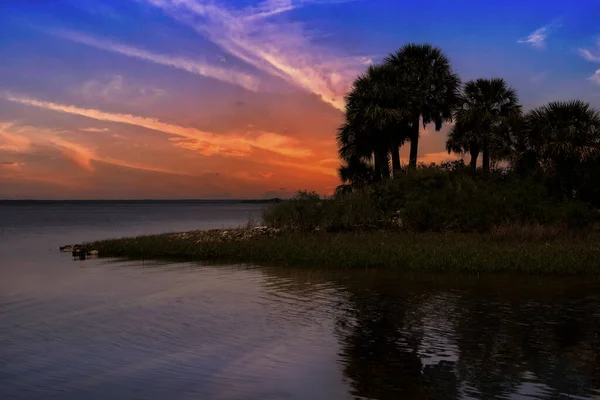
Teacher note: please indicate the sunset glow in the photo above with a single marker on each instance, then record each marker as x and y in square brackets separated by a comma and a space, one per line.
[241, 99]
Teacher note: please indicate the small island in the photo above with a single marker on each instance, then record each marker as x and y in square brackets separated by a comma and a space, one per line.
[526, 202]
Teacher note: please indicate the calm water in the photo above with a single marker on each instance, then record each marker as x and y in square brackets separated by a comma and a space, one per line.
[109, 329]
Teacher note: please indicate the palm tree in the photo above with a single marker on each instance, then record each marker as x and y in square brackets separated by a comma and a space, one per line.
[565, 136]
[399, 132]
[356, 172]
[511, 143]
[460, 141]
[484, 105]
[429, 88]
[373, 126]
[358, 147]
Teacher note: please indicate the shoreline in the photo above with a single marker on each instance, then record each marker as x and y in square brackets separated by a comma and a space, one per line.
[461, 253]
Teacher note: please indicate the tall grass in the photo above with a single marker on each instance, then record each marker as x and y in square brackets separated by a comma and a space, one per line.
[417, 252]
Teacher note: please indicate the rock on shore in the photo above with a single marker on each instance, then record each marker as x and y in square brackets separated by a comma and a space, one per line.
[78, 251]
[227, 235]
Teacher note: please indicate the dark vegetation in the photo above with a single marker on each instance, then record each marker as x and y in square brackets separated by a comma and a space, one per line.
[540, 168]
[529, 205]
[528, 252]
[437, 198]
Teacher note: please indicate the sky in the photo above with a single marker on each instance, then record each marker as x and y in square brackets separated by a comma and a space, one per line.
[165, 99]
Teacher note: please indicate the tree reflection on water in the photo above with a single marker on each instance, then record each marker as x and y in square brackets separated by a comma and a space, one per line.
[488, 340]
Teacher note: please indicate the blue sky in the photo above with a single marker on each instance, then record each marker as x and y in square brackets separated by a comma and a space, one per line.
[192, 98]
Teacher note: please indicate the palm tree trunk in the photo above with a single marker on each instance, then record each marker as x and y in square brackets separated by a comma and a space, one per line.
[486, 154]
[396, 160]
[485, 166]
[414, 142]
[377, 162]
[385, 168]
[474, 151]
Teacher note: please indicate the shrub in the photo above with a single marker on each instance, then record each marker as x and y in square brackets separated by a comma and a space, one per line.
[303, 211]
[446, 198]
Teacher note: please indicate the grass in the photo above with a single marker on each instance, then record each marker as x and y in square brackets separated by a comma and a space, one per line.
[533, 251]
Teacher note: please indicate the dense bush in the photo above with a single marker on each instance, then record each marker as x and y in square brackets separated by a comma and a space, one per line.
[446, 198]
[307, 211]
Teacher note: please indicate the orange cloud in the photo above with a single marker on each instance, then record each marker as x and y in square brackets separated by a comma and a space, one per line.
[279, 144]
[76, 153]
[92, 129]
[21, 138]
[330, 161]
[10, 164]
[204, 142]
[142, 167]
[304, 167]
[12, 141]
[19, 173]
[438, 157]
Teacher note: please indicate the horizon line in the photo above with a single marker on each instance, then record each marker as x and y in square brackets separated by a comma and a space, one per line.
[148, 199]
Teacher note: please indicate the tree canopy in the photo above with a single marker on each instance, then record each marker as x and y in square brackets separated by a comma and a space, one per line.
[557, 144]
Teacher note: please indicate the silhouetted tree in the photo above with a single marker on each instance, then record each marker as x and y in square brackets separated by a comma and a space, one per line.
[565, 137]
[461, 140]
[373, 128]
[484, 105]
[429, 88]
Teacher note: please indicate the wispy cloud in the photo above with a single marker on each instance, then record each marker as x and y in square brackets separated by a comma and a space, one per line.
[11, 138]
[539, 77]
[269, 8]
[78, 154]
[596, 77]
[92, 129]
[197, 67]
[206, 143]
[9, 164]
[303, 167]
[438, 157]
[330, 161]
[538, 37]
[283, 50]
[23, 139]
[591, 54]
[116, 89]
[266, 175]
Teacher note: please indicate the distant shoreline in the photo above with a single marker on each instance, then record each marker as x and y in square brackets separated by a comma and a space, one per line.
[136, 201]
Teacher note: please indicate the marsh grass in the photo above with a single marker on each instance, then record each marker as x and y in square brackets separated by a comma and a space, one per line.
[532, 232]
[542, 253]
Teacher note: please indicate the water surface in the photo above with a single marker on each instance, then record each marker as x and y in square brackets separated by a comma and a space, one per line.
[110, 329]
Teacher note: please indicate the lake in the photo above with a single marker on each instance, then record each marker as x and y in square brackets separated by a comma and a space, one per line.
[114, 329]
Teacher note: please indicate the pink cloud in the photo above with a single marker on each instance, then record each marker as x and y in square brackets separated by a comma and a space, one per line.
[283, 50]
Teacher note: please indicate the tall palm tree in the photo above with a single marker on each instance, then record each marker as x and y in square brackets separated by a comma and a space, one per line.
[398, 131]
[511, 143]
[461, 140]
[484, 105]
[372, 129]
[565, 136]
[358, 146]
[429, 87]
